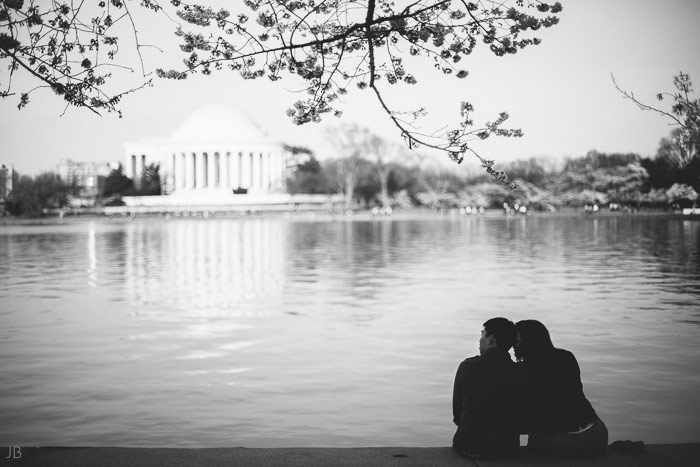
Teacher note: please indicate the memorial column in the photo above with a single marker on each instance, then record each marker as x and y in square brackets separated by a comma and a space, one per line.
[212, 168]
[138, 172]
[277, 172]
[191, 170]
[224, 169]
[171, 175]
[179, 171]
[265, 171]
[201, 174]
[129, 169]
[246, 167]
[256, 172]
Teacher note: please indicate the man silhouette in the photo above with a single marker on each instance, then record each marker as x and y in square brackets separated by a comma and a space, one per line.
[487, 396]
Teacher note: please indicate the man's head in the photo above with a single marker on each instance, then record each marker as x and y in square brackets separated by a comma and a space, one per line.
[497, 333]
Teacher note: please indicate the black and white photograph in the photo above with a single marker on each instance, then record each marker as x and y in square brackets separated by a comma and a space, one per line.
[357, 233]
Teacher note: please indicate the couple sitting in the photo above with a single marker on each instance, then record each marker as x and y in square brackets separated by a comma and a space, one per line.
[496, 399]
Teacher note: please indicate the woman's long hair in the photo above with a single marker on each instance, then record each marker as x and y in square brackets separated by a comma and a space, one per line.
[535, 343]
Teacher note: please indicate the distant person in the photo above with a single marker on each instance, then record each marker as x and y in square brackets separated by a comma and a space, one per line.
[487, 396]
[559, 420]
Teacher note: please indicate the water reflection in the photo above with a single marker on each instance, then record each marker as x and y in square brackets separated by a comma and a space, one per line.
[92, 255]
[200, 269]
[355, 270]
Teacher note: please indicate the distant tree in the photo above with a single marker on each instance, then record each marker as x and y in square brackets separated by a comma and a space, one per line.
[52, 191]
[679, 191]
[530, 170]
[684, 112]
[344, 175]
[448, 180]
[299, 154]
[150, 181]
[438, 199]
[116, 183]
[656, 197]
[308, 177]
[680, 165]
[350, 145]
[384, 158]
[532, 196]
[406, 179]
[662, 172]
[690, 175]
[368, 191]
[594, 160]
[623, 184]
[582, 197]
[31, 196]
[485, 194]
[677, 154]
[600, 177]
[23, 199]
[381, 156]
[667, 168]
[440, 188]
[596, 170]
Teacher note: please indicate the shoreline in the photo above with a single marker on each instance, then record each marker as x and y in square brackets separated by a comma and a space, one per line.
[76, 217]
[677, 455]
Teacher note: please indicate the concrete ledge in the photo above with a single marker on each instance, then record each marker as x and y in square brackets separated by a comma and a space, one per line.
[656, 455]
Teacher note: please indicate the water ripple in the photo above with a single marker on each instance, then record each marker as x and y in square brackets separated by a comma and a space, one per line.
[273, 332]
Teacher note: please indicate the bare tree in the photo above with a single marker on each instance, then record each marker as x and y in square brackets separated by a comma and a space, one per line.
[384, 157]
[383, 154]
[684, 114]
[350, 143]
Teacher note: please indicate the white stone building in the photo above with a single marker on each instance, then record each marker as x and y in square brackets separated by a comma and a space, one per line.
[216, 152]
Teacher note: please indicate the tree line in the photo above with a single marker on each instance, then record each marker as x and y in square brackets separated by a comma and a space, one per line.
[34, 196]
[369, 172]
[666, 180]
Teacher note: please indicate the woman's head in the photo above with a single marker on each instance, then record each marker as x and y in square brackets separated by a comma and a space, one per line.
[532, 340]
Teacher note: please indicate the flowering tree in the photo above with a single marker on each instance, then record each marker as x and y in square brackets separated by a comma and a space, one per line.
[680, 191]
[680, 148]
[71, 48]
[331, 45]
[335, 45]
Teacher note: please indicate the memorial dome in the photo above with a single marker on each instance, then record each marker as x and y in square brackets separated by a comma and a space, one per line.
[218, 123]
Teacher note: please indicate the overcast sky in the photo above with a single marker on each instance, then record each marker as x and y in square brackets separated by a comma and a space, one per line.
[560, 93]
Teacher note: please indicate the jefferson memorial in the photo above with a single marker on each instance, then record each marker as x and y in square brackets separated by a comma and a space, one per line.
[215, 153]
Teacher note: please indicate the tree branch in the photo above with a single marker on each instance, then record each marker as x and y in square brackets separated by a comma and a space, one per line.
[630, 96]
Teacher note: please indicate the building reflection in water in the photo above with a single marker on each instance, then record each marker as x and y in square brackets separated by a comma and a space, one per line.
[92, 257]
[198, 268]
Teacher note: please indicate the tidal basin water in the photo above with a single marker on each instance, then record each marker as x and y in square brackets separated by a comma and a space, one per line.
[271, 332]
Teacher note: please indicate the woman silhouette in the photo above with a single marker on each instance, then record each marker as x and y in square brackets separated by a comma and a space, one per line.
[559, 420]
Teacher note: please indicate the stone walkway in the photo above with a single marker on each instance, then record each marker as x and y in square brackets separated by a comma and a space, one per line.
[656, 455]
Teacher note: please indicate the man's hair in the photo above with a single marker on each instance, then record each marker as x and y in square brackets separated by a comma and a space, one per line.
[503, 330]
